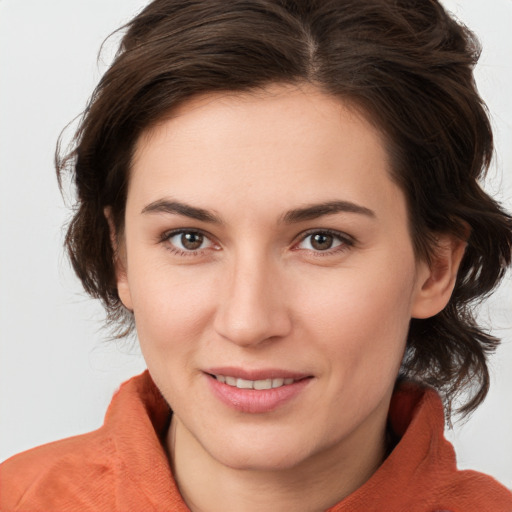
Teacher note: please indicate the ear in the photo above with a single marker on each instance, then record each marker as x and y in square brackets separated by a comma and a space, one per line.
[436, 280]
[123, 288]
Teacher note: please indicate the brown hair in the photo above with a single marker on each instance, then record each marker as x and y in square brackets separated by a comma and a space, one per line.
[406, 63]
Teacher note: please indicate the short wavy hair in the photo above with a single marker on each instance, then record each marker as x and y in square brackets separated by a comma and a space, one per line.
[406, 63]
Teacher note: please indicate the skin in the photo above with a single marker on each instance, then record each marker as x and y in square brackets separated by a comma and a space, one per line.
[257, 294]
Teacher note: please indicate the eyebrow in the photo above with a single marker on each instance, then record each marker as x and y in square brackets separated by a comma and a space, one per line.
[178, 208]
[302, 214]
[314, 211]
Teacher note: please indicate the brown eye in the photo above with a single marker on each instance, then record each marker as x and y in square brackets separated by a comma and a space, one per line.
[322, 241]
[188, 241]
[191, 241]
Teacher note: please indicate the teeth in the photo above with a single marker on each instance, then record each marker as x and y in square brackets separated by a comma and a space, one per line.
[277, 383]
[263, 384]
[231, 381]
[254, 384]
[244, 384]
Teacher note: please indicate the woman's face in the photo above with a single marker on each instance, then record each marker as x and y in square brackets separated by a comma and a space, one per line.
[269, 266]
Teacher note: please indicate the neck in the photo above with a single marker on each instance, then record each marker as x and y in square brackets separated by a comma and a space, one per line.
[316, 484]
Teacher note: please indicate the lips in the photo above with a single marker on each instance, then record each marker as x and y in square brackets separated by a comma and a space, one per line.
[257, 391]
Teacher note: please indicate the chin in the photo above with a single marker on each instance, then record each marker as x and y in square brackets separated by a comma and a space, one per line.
[262, 461]
[257, 454]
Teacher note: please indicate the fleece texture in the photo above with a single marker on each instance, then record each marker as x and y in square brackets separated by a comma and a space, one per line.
[123, 465]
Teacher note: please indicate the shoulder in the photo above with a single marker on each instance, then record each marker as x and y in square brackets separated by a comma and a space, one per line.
[74, 473]
[421, 472]
[470, 490]
[120, 466]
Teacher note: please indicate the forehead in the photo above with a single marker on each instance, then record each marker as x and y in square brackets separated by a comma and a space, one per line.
[271, 116]
[291, 142]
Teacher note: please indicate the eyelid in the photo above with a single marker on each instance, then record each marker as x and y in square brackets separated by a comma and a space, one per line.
[167, 235]
[347, 241]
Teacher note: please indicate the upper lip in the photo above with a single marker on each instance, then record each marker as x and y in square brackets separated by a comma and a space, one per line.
[256, 374]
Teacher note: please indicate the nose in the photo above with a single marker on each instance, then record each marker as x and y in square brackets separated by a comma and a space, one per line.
[252, 307]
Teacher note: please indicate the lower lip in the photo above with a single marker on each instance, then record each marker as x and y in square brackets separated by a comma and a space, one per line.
[256, 401]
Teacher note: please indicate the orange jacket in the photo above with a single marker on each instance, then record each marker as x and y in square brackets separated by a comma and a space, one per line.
[123, 466]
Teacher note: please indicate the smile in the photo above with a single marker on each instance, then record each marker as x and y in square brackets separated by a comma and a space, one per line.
[265, 392]
[254, 384]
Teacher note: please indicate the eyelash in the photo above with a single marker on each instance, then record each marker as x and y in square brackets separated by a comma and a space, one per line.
[346, 241]
[166, 237]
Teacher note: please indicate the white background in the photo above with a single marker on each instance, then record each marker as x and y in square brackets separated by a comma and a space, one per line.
[57, 372]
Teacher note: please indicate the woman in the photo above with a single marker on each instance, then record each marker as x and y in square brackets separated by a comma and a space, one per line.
[282, 198]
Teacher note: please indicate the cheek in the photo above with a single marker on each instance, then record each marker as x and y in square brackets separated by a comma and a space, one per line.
[171, 305]
[360, 318]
